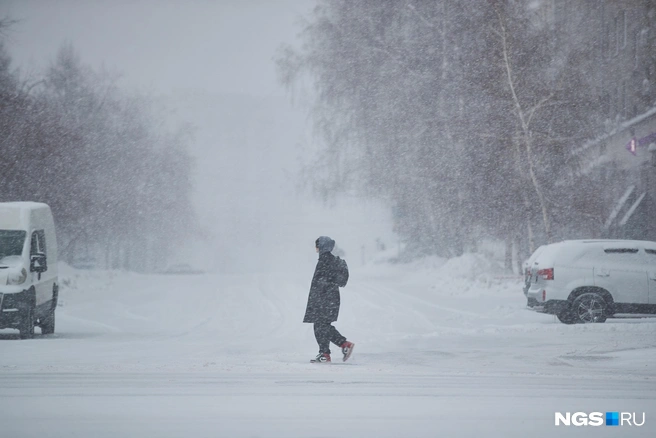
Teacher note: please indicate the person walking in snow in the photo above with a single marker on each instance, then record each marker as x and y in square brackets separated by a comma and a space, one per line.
[323, 302]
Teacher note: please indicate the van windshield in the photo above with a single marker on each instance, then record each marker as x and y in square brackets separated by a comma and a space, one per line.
[11, 242]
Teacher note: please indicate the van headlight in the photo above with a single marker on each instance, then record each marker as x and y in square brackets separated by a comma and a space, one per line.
[17, 277]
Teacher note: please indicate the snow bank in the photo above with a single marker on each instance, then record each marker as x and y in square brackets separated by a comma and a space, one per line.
[474, 267]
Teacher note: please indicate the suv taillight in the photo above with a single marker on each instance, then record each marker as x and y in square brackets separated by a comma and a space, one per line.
[546, 274]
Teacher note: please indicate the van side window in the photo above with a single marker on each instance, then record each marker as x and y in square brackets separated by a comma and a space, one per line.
[651, 251]
[38, 243]
[34, 245]
[621, 251]
[42, 240]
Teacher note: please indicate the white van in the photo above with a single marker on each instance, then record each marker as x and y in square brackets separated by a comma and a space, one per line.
[28, 268]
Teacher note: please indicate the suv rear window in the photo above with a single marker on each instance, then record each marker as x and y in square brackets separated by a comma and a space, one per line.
[621, 251]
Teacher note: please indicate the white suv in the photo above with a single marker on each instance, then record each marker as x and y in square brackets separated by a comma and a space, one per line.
[590, 280]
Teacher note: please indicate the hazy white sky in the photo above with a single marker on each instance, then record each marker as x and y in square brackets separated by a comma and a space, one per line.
[218, 46]
[212, 61]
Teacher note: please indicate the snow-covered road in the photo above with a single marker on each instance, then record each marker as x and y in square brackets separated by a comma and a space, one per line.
[317, 403]
[442, 350]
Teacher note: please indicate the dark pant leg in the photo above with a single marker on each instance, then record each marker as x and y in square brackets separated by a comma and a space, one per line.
[336, 337]
[325, 333]
[322, 334]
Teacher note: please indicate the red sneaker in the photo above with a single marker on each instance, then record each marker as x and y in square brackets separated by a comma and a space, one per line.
[321, 358]
[347, 349]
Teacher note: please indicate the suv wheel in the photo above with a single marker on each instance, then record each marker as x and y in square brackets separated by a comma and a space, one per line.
[589, 307]
[566, 316]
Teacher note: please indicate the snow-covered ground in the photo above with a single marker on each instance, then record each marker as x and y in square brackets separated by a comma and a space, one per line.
[443, 349]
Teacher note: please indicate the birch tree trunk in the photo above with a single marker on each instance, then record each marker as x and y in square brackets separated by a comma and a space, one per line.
[525, 145]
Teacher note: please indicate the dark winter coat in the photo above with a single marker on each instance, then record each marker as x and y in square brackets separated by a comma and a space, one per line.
[323, 302]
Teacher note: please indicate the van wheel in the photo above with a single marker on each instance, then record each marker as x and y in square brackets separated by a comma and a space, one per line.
[589, 307]
[566, 316]
[48, 324]
[26, 326]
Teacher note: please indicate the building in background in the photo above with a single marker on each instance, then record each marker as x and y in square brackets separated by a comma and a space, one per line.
[621, 36]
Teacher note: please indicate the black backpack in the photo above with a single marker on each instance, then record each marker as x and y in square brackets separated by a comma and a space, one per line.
[341, 272]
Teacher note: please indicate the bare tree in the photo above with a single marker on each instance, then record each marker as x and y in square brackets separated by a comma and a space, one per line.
[462, 118]
[117, 184]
